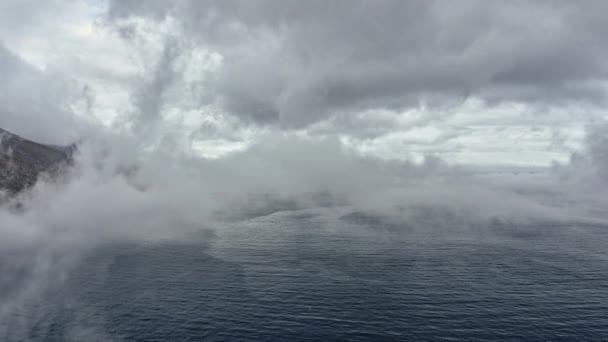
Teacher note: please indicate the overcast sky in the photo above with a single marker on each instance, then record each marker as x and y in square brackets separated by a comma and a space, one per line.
[482, 82]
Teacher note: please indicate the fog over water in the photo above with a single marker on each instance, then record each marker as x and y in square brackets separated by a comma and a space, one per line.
[376, 150]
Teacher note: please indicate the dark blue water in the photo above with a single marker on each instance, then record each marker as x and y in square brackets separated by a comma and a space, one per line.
[313, 276]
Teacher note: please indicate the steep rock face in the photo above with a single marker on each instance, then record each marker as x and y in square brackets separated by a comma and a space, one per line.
[22, 161]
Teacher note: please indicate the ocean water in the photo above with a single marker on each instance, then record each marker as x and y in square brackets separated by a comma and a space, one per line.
[320, 275]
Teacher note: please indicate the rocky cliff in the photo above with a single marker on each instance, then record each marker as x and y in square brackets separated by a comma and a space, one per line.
[23, 161]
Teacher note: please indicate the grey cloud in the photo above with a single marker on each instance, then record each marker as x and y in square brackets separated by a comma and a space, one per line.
[596, 157]
[19, 16]
[296, 62]
[149, 97]
[36, 104]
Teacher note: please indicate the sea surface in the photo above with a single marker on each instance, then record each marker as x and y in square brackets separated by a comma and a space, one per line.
[325, 275]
